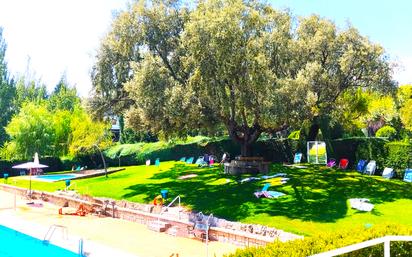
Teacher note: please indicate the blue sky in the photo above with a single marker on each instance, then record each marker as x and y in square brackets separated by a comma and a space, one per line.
[62, 35]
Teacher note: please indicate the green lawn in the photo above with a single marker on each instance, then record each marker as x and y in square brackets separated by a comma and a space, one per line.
[315, 201]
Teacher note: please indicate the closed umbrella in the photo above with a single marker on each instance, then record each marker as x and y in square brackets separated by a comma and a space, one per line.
[30, 166]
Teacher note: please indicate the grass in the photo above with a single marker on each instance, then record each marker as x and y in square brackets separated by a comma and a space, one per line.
[315, 201]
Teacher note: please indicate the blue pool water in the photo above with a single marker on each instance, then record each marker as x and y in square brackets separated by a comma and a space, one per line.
[16, 244]
[52, 178]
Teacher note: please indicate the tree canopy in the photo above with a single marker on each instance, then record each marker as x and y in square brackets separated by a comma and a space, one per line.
[7, 91]
[236, 64]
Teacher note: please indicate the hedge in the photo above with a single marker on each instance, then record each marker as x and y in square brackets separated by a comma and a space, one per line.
[397, 155]
[329, 241]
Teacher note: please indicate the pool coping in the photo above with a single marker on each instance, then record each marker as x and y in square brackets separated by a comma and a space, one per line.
[91, 249]
[98, 173]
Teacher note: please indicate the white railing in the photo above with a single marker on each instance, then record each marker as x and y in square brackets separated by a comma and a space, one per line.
[168, 206]
[386, 241]
[207, 234]
[52, 229]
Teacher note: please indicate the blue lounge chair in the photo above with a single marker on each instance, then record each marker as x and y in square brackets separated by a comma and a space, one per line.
[183, 159]
[157, 162]
[361, 166]
[297, 158]
[408, 175]
[268, 194]
[189, 160]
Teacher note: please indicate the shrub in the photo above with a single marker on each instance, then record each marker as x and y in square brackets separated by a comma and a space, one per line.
[399, 156]
[329, 241]
[386, 131]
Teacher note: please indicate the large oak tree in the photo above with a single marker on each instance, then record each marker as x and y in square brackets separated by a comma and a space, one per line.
[238, 64]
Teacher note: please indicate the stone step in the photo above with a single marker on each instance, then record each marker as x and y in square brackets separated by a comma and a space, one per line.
[158, 226]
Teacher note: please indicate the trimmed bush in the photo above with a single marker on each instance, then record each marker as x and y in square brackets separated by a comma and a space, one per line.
[329, 241]
[386, 131]
[399, 156]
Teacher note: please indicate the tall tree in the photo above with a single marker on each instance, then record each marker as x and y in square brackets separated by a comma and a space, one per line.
[240, 64]
[7, 91]
[332, 62]
[63, 97]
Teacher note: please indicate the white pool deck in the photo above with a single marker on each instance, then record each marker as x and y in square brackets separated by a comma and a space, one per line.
[102, 237]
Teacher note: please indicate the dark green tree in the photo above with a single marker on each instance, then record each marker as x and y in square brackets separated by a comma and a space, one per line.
[7, 92]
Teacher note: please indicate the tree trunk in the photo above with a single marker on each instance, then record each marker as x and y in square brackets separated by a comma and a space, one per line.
[313, 129]
[245, 136]
[245, 149]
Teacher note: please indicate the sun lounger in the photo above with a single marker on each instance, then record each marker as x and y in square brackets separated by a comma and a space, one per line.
[370, 168]
[189, 160]
[408, 175]
[331, 163]
[388, 173]
[297, 158]
[361, 204]
[361, 166]
[343, 164]
[268, 194]
[183, 159]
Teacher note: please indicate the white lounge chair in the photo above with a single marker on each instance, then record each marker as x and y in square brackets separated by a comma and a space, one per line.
[388, 173]
[361, 204]
[370, 168]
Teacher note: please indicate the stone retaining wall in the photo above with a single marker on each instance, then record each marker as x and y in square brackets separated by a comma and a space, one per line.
[232, 232]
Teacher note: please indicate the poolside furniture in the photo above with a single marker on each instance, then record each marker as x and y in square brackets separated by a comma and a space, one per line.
[370, 168]
[200, 161]
[408, 175]
[361, 166]
[388, 173]
[361, 204]
[157, 162]
[297, 158]
[343, 164]
[147, 162]
[268, 194]
[189, 160]
[331, 163]
[183, 159]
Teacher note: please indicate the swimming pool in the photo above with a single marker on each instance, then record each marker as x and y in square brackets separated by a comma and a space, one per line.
[16, 244]
[53, 178]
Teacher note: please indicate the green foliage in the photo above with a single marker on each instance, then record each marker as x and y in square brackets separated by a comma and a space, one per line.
[87, 134]
[386, 131]
[52, 132]
[399, 156]
[295, 135]
[328, 241]
[30, 131]
[63, 97]
[405, 109]
[241, 65]
[7, 92]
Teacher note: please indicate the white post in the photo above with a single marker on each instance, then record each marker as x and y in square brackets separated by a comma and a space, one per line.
[387, 248]
[15, 195]
[207, 239]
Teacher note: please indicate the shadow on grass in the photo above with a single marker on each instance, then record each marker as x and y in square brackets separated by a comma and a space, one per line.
[312, 194]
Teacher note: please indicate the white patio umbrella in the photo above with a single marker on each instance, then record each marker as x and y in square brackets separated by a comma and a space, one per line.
[30, 166]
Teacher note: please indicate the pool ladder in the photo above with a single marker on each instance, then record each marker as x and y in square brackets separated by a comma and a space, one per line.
[51, 231]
